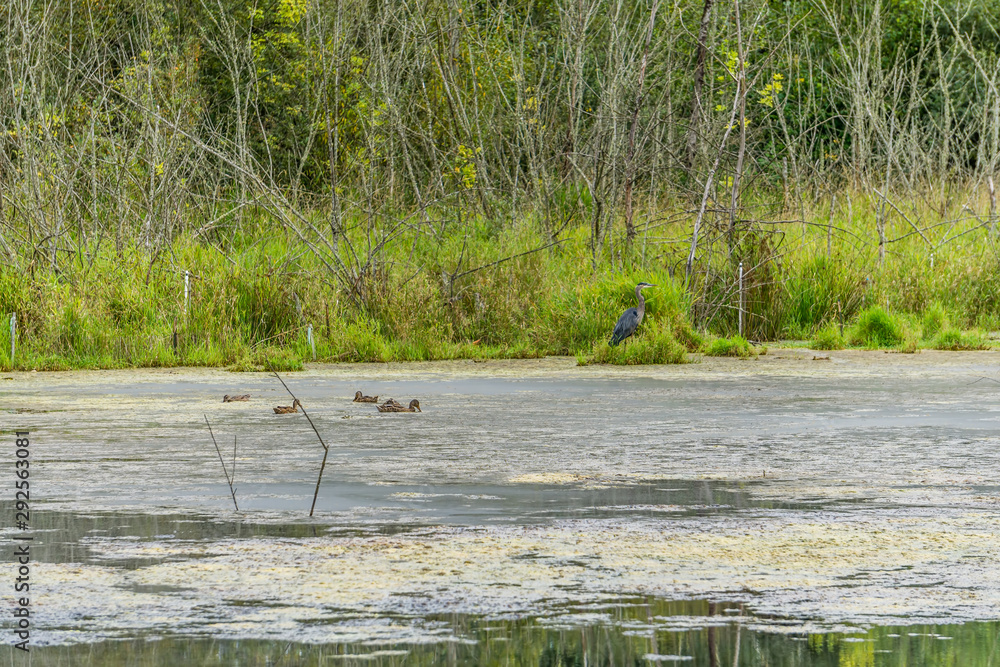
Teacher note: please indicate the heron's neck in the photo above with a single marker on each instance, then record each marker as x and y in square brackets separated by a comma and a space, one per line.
[642, 302]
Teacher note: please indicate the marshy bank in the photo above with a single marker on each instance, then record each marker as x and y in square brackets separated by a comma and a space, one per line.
[534, 507]
[263, 301]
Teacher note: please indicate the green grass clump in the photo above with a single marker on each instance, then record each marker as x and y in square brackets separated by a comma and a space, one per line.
[686, 334]
[736, 346]
[653, 344]
[267, 359]
[817, 290]
[828, 338]
[935, 321]
[953, 339]
[876, 328]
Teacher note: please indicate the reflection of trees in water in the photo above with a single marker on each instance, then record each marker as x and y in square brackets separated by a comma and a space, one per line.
[550, 640]
[713, 651]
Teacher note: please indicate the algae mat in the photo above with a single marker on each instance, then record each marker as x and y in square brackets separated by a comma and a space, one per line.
[809, 495]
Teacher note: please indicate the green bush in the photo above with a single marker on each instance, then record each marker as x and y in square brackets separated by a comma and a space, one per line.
[263, 306]
[828, 338]
[685, 334]
[654, 343]
[935, 321]
[953, 339]
[736, 346]
[819, 289]
[876, 328]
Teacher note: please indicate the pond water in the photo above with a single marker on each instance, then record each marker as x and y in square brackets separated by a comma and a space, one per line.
[784, 511]
[625, 632]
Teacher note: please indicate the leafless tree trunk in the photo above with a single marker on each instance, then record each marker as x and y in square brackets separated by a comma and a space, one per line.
[630, 157]
[694, 125]
[741, 93]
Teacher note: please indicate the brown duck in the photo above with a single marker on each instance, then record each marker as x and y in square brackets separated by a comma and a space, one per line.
[230, 399]
[288, 409]
[396, 407]
[361, 398]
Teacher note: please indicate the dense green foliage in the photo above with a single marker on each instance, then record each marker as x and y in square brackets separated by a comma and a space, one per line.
[952, 339]
[463, 179]
[877, 328]
[252, 306]
[735, 346]
[828, 338]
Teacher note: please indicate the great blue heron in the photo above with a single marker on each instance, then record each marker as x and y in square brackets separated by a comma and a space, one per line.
[630, 319]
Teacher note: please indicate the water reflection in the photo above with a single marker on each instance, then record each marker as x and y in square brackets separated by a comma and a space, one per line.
[396, 509]
[631, 632]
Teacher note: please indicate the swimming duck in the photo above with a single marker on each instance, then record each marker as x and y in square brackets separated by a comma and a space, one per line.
[288, 409]
[361, 398]
[389, 407]
[229, 399]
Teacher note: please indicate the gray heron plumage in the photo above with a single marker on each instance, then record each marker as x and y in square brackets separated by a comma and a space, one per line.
[630, 319]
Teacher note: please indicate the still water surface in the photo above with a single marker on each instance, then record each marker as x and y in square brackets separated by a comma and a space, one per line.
[780, 512]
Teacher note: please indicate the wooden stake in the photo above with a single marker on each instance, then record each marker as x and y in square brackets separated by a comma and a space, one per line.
[993, 207]
[829, 226]
[741, 298]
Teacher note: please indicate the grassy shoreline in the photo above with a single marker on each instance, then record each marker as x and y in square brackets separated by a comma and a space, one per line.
[254, 296]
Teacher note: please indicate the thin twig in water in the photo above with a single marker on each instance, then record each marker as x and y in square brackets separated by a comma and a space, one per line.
[229, 480]
[983, 378]
[326, 449]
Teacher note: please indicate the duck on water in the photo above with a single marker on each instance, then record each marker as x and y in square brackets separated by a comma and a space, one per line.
[288, 409]
[396, 407]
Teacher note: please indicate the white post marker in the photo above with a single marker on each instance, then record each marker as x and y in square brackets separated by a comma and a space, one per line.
[13, 336]
[312, 341]
[187, 289]
[741, 298]
[932, 261]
